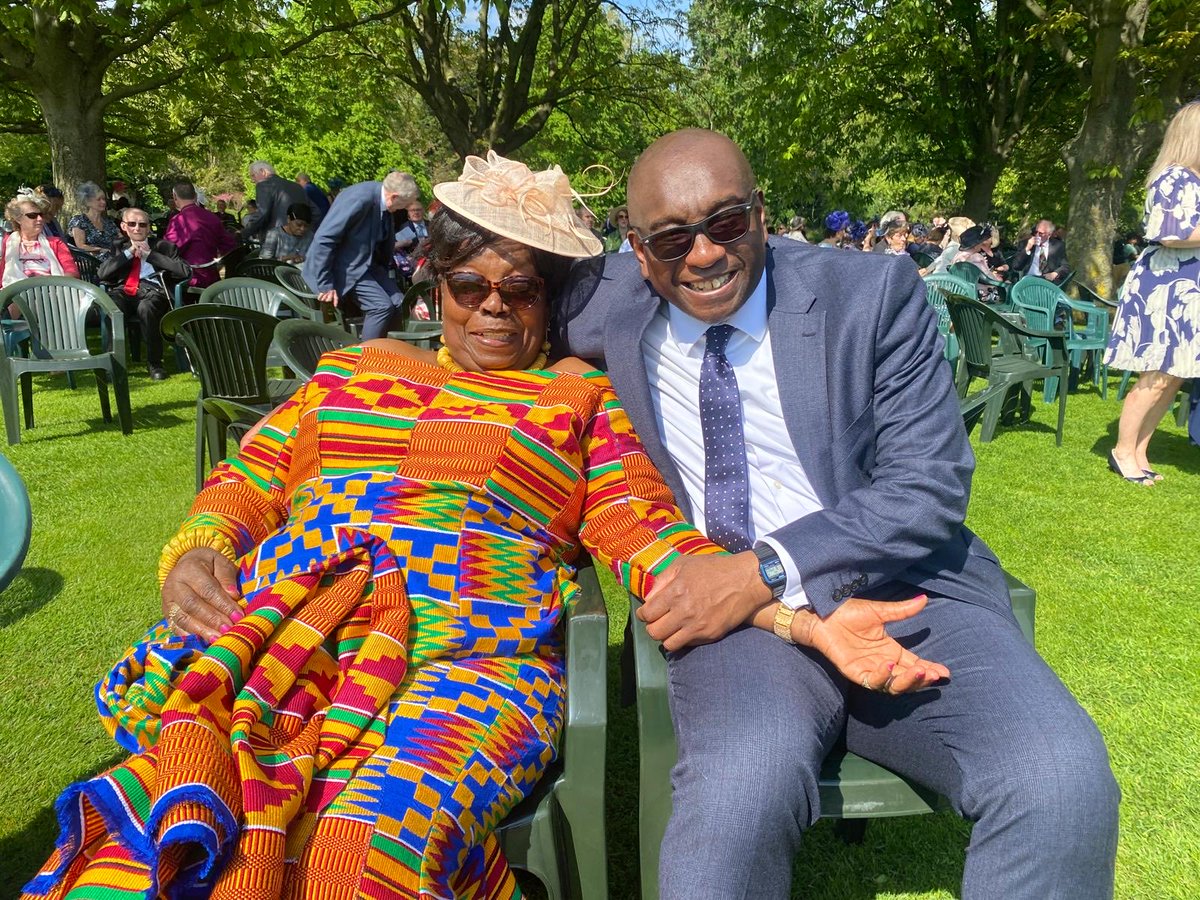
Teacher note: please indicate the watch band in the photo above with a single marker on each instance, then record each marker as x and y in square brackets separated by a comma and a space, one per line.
[783, 623]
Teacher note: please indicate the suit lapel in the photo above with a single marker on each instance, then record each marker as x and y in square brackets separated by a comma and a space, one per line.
[796, 323]
[624, 327]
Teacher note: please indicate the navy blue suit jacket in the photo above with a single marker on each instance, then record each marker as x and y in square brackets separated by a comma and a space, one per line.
[868, 404]
[350, 240]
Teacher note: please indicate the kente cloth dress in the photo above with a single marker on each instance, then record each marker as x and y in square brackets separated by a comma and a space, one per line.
[405, 539]
[1157, 325]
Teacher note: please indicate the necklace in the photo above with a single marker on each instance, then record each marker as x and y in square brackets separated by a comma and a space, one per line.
[446, 361]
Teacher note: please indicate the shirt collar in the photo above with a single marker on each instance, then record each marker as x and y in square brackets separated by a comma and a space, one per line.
[750, 318]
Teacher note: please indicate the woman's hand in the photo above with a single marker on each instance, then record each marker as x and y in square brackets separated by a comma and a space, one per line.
[200, 594]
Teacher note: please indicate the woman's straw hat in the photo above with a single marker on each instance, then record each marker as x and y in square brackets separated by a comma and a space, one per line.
[533, 208]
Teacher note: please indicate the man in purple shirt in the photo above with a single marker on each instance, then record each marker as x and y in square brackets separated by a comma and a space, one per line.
[199, 234]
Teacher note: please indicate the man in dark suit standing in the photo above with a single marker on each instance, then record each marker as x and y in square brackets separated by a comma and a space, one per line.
[351, 253]
[273, 195]
[136, 272]
[797, 404]
[1043, 254]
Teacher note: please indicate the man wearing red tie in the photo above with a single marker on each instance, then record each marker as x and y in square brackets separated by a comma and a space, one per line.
[136, 273]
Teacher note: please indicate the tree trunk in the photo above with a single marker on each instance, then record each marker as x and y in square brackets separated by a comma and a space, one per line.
[1100, 157]
[981, 177]
[74, 114]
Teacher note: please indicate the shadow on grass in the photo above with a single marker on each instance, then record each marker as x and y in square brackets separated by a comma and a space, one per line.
[32, 589]
[1168, 448]
[24, 852]
[151, 417]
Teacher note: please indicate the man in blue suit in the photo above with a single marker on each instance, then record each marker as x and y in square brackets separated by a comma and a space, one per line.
[351, 253]
[797, 403]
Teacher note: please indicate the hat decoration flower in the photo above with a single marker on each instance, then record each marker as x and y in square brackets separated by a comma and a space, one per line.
[837, 220]
[535, 208]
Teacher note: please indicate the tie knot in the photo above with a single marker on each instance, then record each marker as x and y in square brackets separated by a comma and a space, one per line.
[716, 338]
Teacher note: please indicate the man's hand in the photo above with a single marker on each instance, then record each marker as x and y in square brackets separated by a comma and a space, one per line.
[700, 599]
[1052, 276]
[853, 639]
[199, 595]
[328, 297]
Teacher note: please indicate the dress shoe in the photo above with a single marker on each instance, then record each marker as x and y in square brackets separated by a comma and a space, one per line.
[1144, 480]
[158, 373]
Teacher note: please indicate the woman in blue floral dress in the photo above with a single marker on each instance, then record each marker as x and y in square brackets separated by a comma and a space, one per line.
[1157, 329]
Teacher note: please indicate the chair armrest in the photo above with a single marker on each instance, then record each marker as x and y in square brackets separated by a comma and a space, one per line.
[587, 667]
[299, 307]
[108, 306]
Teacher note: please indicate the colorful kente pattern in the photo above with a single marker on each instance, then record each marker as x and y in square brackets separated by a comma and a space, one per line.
[405, 540]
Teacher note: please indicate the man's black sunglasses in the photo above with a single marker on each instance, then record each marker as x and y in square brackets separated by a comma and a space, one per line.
[723, 227]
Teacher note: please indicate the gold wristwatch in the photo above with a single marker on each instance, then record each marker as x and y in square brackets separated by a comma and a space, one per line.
[783, 623]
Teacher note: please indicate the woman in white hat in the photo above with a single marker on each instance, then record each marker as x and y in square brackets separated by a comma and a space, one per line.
[380, 679]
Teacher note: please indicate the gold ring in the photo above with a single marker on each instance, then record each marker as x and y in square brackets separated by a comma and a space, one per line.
[173, 617]
[866, 682]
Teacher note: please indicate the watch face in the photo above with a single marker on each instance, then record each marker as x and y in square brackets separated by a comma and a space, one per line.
[772, 570]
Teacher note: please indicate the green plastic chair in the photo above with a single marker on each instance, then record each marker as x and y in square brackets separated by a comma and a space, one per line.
[292, 280]
[228, 346]
[419, 333]
[1038, 300]
[55, 308]
[937, 288]
[16, 522]
[852, 789]
[301, 344]
[1008, 361]
[557, 833]
[256, 267]
[253, 293]
[969, 272]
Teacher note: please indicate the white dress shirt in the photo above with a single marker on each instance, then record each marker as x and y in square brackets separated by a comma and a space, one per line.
[780, 492]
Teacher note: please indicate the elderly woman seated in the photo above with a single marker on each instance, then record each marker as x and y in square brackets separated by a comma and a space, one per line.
[362, 639]
[28, 252]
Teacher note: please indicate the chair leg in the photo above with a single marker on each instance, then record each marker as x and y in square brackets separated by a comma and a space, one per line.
[120, 385]
[27, 397]
[8, 397]
[851, 831]
[1124, 388]
[1062, 411]
[991, 415]
[201, 436]
[102, 390]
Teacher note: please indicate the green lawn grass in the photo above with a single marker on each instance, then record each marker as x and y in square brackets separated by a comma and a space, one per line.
[1115, 568]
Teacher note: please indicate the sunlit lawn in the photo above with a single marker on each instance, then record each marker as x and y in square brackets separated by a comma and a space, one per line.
[1116, 569]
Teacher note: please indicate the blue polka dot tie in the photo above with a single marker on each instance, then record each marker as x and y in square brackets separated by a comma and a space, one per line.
[726, 486]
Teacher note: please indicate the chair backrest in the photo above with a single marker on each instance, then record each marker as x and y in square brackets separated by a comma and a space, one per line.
[301, 343]
[940, 286]
[251, 293]
[87, 264]
[965, 271]
[56, 309]
[974, 324]
[16, 522]
[228, 345]
[256, 267]
[293, 279]
[1037, 299]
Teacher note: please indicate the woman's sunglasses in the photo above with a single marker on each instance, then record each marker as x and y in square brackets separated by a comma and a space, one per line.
[35, 215]
[723, 227]
[516, 291]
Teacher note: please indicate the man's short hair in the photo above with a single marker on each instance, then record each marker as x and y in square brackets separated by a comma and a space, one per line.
[300, 211]
[184, 190]
[302, 176]
[401, 183]
[132, 209]
[258, 167]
